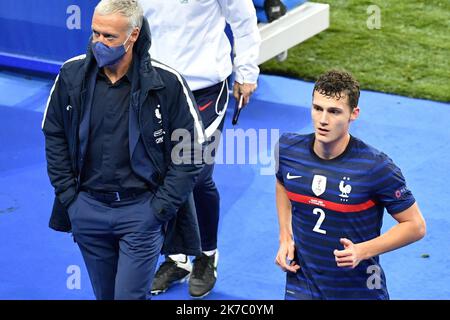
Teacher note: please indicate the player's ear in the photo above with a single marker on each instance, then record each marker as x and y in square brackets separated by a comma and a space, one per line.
[355, 114]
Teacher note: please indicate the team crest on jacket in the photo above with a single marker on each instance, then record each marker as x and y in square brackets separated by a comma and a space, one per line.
[159, 133]
[158, 113]
[319, 184]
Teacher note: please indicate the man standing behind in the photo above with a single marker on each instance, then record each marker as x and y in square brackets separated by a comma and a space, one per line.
[331, 191]
[189, 35]
[108, 127]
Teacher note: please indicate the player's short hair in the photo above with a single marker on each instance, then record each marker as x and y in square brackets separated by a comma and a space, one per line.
[335, 83]
[127, 8]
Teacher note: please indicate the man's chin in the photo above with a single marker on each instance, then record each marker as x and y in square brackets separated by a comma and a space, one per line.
[322, 137]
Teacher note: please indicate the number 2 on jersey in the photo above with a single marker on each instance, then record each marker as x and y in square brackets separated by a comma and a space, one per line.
[319, 221]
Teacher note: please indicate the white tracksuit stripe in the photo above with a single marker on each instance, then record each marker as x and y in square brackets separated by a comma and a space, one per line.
[198, 126]
[54, 85]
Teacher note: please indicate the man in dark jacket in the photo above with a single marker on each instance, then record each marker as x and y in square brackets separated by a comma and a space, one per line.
[123, 147]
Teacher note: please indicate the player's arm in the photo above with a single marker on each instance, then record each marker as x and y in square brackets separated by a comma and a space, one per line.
[411, 227]
[241, 16]
[287, 247]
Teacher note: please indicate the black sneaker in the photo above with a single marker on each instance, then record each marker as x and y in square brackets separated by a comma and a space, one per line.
[274, 9]
[169, 273]
[204, 275]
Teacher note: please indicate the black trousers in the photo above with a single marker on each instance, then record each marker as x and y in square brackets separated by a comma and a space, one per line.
[212, 103]
[120, 243]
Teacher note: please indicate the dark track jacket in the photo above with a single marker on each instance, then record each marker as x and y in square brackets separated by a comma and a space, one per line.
[161, 102]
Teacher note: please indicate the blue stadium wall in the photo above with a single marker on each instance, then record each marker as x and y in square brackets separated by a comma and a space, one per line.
[40, 35]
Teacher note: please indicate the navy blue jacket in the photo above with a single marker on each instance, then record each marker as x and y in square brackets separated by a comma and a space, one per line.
[160, 103]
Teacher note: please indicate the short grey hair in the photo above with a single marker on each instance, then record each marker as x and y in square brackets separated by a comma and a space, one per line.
[127, 8]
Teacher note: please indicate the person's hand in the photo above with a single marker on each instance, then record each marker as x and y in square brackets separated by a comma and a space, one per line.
[244, 89]
[286, 252]
[350, 257]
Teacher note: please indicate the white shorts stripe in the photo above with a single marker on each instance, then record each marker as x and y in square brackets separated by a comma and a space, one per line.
[215, 124]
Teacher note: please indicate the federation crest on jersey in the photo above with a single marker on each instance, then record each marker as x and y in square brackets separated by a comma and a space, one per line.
[344, 188]
[319, 184]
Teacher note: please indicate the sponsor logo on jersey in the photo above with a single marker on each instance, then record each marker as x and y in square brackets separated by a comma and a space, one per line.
[290, 177]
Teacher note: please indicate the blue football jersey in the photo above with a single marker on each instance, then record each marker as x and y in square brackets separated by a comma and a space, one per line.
[344, 197]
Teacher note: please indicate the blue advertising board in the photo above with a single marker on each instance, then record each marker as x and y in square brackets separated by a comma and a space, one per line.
[41, 34]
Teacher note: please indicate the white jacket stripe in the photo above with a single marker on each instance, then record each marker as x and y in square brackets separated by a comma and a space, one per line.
[54, 85]
[198, 126]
